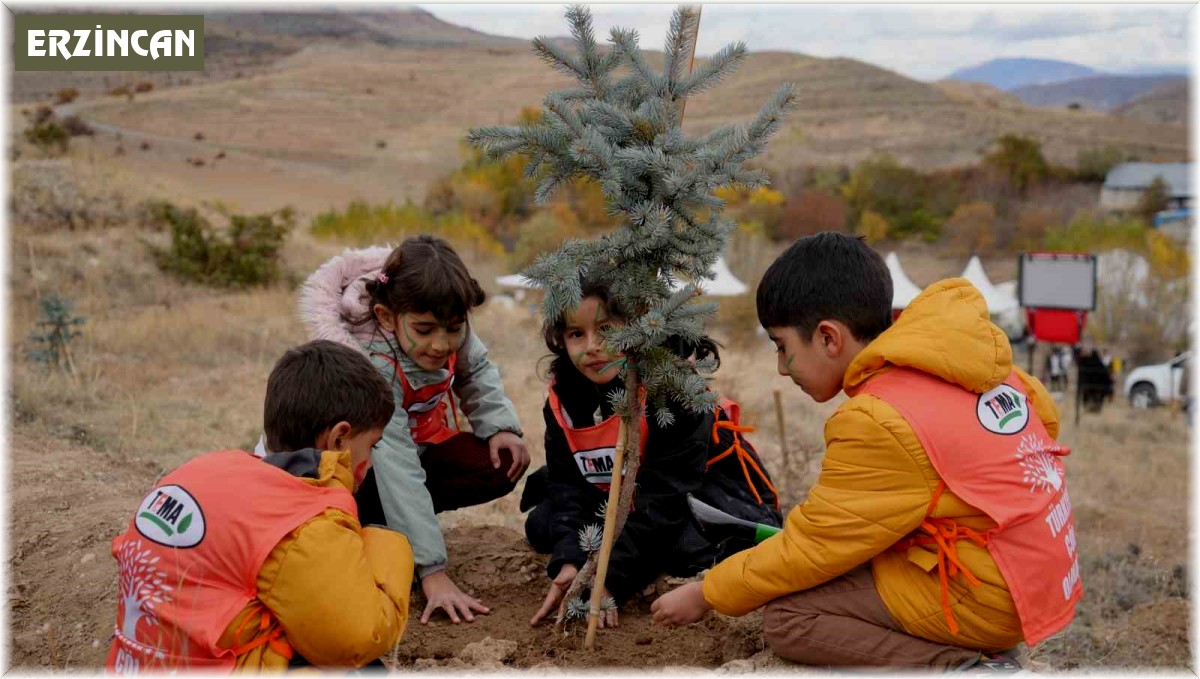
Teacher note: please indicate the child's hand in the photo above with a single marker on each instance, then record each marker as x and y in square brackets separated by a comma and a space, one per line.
[441, 592]
[514, 444]
[681, 606]
[558, 587]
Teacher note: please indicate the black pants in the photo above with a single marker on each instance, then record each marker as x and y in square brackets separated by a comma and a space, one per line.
[458, 473]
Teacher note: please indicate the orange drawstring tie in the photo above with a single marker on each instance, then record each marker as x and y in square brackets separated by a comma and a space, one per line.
[743, 457]
[945, 533]
[274, 639]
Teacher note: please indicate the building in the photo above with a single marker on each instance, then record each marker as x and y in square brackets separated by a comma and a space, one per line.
[1125, 183]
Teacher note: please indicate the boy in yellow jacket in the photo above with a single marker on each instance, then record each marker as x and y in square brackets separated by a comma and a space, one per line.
[939, 531]
[233, 562]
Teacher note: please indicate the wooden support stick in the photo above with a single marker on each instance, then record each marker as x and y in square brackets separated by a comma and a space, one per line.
[783, 446]
[610, 531]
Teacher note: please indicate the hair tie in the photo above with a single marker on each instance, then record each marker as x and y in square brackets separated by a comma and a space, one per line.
[382, 278]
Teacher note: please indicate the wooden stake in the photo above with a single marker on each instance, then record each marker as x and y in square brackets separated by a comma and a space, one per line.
[610, 531]
[783, 447]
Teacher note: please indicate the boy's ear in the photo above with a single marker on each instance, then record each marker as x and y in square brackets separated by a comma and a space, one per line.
[334, 438]
[831, 337]
[385, 317]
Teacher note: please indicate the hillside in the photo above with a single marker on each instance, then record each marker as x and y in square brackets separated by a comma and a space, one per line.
[1166, 104]
[1095, 93]
[365, 120]
[1011, 73]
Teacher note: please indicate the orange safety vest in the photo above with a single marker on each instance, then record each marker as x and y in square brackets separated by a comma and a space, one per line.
[993, 451]
[594, 448]
[426, 406]
[188, 562]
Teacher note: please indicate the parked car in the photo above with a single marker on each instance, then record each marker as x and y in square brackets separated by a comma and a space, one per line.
[1151, 385]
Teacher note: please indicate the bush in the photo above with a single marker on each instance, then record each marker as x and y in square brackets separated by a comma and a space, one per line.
[898, 194]
[541, 233]
[77, 127]
[66, 95]
[46, 132]
[56, 329]
[873, 227]
[122, 91]
[245, 255]
[816, 210]
[1155, 199]
[972, 228]
[143, 87]
[1092, 165]
[1020, 160]
[363, 224]
[1090, 233]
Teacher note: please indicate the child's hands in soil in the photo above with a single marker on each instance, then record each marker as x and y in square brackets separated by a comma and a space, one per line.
[681, 606]
[558, 588]
[516, 446]
[441, 592]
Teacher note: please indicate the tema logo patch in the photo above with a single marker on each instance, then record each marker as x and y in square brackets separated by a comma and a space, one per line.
[170, 516]
[597, 465]
[1003, 410]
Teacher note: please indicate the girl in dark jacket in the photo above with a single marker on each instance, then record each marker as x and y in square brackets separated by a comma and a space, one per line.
[705, 455]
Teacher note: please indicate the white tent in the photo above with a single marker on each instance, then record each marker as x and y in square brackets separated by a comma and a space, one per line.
[904, 291]
[724, 285]
[516, 281]
[998, 302]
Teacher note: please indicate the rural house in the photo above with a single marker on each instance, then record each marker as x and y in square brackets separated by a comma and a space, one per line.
[1125, 183]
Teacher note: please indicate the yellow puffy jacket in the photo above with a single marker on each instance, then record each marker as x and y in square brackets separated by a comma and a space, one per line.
[876, 484]
[340, 592]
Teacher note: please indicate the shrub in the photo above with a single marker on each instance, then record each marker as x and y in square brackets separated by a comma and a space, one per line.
[121, 91]
[46, 132]
[1155, 199]
[1093, 164]
[816, 210]
[66, 95]
[972, 228]
[143, 86]
[246, 254]
[1019, 159]
[77, 127]
[873, 227]
[898, 194]
[542, 232]
[361, 223]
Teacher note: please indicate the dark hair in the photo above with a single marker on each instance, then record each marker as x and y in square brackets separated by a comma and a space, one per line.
[563, 371]
[827, 276]
[424, 274]
[316, 385]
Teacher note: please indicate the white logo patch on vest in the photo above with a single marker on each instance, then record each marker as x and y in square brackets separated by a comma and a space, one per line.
[1003, 410]
[596, 465]
[170, 516]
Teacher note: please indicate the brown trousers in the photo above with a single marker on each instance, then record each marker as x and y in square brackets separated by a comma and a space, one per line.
[844, 623]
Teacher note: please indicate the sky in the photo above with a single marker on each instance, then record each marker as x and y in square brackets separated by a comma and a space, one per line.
[926, 42]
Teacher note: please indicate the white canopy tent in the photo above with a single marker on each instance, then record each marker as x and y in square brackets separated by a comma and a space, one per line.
[724, 285]
[999, 302]
[904, 291]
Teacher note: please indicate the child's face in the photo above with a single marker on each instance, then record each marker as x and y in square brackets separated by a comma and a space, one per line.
[583, 339]
[814, 364]
[360, 446]
[426, 339]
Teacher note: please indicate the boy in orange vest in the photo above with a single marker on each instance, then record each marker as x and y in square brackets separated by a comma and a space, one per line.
[940, 530]
[233, 562]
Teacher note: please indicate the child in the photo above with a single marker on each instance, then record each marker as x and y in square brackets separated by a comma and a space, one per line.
[701, 454]
[407, 309]
[232, 562]
[940, 526]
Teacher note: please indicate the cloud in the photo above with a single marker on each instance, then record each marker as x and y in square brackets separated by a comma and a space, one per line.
[920, 41]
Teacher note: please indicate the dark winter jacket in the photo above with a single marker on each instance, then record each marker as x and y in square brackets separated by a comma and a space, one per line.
[658, 536]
